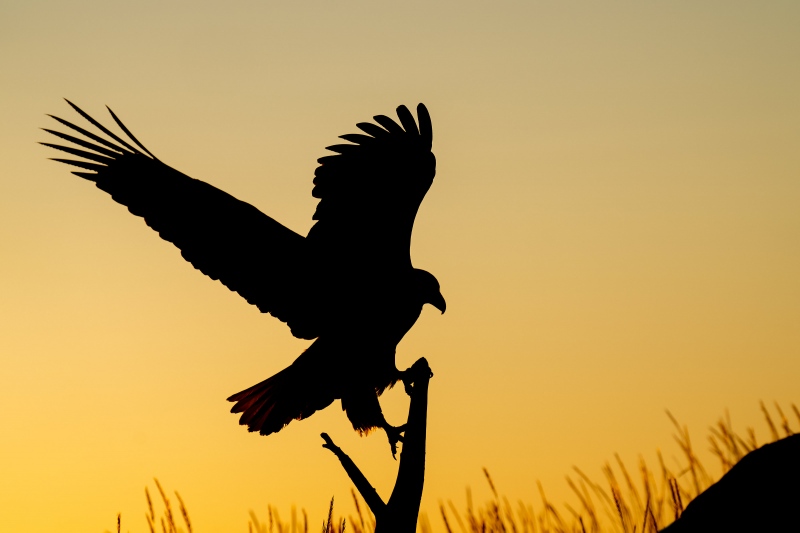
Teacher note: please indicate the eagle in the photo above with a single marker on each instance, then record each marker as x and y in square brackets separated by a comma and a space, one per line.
[349, 284]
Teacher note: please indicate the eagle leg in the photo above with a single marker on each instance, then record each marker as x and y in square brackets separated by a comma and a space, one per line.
[364, 411]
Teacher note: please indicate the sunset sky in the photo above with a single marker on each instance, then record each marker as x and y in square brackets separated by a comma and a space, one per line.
[615, 223]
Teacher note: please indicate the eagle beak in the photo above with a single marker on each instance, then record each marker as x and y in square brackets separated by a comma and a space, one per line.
[439, 303]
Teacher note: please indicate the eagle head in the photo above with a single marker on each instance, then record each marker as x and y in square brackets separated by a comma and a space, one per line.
[427, 288]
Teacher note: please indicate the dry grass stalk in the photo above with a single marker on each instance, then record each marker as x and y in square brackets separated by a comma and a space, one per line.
[444, 518]
[655, 499]
[330, 525]
[150, 515]
[773, 430]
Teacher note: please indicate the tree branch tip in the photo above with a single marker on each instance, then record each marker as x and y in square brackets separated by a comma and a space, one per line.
[328, 442]
[422, 368]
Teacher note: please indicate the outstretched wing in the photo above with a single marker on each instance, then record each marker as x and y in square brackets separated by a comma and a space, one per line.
[223, 237]
[371, 190]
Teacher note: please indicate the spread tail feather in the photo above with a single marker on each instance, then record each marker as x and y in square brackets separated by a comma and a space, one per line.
[269, 406]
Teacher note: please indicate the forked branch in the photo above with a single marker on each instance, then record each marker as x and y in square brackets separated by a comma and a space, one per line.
[401, 512]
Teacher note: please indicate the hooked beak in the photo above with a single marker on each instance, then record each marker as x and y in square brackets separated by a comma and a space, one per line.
[439, 303]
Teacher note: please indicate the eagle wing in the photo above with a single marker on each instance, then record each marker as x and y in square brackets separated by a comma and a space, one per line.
[371, 190]
[225, 238]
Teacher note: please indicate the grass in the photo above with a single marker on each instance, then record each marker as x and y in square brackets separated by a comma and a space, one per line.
[642, 502]
[626, 501]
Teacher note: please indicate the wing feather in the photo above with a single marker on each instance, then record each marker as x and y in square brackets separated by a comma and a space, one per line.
[372, 129]
[81, 142]
[407, 120]
[80, 153]
[388, 123]
[225, 238]
[371, 190]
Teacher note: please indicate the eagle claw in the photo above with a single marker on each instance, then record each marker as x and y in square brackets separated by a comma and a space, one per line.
[410, 375]
[395, 435]
[408, 383]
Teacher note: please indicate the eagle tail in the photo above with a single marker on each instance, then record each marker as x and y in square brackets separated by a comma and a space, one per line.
[269, 406]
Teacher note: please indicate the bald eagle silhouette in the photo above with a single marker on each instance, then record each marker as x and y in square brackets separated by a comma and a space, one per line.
[349, 283]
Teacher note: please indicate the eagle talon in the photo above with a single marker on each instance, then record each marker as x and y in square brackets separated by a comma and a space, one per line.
[395, 435]
[408, 383]
[409, 375]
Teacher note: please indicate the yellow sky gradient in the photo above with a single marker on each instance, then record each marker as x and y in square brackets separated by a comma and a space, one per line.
[615, 223]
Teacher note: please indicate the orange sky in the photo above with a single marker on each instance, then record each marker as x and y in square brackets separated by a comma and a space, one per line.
[614, 222]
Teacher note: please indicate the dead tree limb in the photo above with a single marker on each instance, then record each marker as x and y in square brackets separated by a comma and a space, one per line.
[399, 514]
